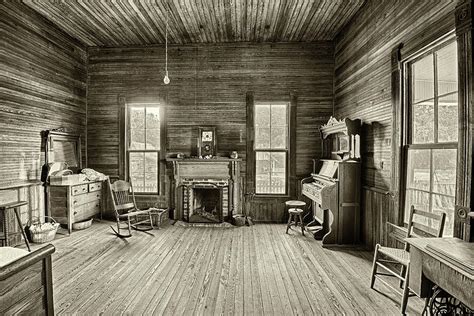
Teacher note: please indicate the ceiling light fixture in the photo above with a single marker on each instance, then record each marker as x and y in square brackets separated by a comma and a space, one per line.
[166, 79]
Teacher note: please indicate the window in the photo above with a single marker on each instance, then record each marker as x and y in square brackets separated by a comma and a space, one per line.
[143, 146]
[432, 132]
[271, 148]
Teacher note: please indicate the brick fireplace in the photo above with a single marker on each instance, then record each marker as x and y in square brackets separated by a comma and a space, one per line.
[205, 190]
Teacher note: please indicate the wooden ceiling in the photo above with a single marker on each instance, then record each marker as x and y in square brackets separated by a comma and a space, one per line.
[142, 22]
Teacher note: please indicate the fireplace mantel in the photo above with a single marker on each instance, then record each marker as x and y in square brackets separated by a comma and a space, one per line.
[188, 172]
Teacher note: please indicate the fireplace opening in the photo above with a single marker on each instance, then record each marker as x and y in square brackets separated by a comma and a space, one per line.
[207, 205]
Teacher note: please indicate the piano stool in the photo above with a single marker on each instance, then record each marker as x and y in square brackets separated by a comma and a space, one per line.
[295, 211]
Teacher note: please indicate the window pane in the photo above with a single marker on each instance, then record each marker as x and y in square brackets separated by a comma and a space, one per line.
[444, 171]
[151, 172]
[278, 167]
[279, 137]
[444, 204]
[137, 139]
[262, 115]
[279, 115]
[420, 200]
[423, 79]
[153, 139]
[137, 171]
[137, 117]
[152, 117]
[270, 173]
[448, 118]
[262, 126]
[447, 69]
[418, 169]
[262, 138]
[262, 173]
[423, 122]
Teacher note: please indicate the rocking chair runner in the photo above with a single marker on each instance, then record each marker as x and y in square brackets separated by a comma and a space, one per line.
[126, 209]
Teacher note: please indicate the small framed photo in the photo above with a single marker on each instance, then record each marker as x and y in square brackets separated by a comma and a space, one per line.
[207, 141]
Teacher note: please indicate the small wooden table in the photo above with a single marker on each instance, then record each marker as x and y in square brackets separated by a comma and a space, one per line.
[4, 208]
[446, 262]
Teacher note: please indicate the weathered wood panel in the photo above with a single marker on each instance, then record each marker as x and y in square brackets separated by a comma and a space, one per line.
[208, 87]
[142, 22]
[43, 86]
[363, 84]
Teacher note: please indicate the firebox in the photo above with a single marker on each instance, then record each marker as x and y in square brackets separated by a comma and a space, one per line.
[206, 205]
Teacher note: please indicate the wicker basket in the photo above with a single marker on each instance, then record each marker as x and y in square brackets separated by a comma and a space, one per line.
[42, 232]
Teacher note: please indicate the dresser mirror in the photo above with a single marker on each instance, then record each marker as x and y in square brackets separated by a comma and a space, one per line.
[63, 147]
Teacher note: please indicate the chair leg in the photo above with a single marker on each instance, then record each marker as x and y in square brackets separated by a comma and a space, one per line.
[406, 290]
[289, 223]
[151, 221]
[129, 226]
[301, 223]
[374, 266]
[118, 226]
[402, 273]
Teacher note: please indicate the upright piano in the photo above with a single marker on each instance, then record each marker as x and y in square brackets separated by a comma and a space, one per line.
[334, 185]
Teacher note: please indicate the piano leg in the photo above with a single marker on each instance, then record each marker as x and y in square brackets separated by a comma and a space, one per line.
[330, 234]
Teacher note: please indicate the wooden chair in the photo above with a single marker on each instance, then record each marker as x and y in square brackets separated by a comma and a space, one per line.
[401, 257]
[126, 209]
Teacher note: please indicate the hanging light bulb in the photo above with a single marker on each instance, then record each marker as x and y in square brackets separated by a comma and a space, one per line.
[166, 79]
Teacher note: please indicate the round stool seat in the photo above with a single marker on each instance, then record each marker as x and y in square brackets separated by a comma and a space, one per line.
[295, 211]
[295, 203]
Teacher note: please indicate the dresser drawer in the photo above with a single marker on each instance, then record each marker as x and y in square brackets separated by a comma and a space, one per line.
[79, 189]
[95, 186]
[86, 211]
[85, 198]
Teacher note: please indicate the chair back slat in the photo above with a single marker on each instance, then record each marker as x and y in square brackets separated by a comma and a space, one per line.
[434, 216]
[122, 199]
[419, 227]
[120, 185]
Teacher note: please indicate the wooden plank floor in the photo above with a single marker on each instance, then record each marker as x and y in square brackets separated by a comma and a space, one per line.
[207, 271]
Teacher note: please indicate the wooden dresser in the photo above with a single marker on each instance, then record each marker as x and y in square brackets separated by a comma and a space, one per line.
[69, 204]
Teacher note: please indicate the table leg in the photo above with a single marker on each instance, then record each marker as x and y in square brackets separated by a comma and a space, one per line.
[21, 228]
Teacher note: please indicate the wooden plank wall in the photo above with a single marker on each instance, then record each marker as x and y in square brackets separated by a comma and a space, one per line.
[363, 89]
[208, 87]
[43, 79]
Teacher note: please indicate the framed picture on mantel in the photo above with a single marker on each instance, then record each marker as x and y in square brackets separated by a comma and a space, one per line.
[207, 141]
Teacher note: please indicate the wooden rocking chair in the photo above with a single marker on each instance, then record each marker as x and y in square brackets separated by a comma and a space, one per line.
[126, 211]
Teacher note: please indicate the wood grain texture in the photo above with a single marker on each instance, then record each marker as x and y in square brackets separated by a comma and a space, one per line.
[43, 86]
[257, 270]
[363, 85]
[208, 87]
[142, 22]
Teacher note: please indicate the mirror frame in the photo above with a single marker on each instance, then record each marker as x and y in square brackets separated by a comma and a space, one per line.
[50, 136]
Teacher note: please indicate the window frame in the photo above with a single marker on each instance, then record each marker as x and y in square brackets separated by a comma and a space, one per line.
[271, 150]
[407, 143]
[126, 144]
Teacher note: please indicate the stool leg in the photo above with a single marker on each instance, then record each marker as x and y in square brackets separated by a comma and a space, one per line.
[301, 223]
[21, 228]
[289, 223]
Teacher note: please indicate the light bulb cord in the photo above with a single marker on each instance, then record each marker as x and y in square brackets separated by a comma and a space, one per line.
[166, 43]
